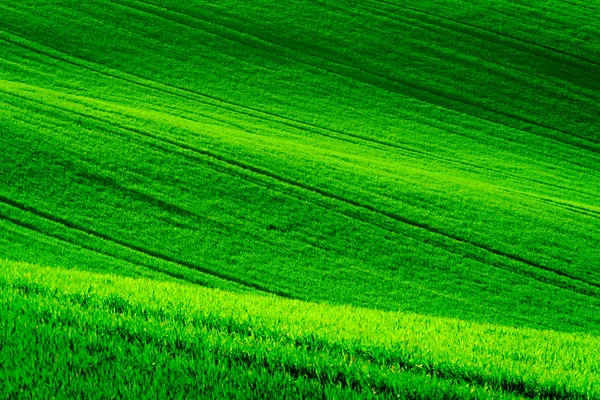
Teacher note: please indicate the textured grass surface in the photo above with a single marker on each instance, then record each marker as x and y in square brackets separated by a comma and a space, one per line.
[433, 157]
[135, 335]
[378, 156]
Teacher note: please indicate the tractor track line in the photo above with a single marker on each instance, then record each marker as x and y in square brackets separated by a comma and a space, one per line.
[425, 92]
[261, 183]
[321, 192]
[285, 181]
[526, 43]
[60, 239]
[367, 207]
[138, 249]
[319, 131]
[267, 43]
[251, 112]
[150, 199]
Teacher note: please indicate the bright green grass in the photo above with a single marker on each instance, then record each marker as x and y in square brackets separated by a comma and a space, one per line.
[128, 337]
[401, 160]
[436, 157]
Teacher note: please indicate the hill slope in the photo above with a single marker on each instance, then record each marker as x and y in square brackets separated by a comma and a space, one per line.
[423, 157]
[182, 182]
[382, 154]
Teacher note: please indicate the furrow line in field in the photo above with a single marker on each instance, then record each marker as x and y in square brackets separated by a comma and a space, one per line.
[572, 206]
[145, 83]
[580, 91]
[583, 4]
[153, 140]
[260, 181]
[155, 137]
[155, 14]
[285, 181]
[426, 92]
[335, 134]
[252, 112]
[175, 209]
[131, 247]
[573, 209]
[189, 94]
[507, 37]
[379, 144]
[412, 86]
[163, 204]
[33, 228]
[234, 107]
[565, 206]
[367, 207]
[279, 117]
[138, 195]
[396, 232]
[169, 207]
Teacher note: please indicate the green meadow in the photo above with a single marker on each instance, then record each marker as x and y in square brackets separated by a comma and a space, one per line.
[300, 199]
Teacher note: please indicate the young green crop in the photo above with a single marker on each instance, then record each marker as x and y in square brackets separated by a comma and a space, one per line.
[209, 207]
[148, 327]
[431, 159]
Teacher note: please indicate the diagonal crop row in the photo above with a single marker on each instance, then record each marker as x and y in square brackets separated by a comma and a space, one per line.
[336, 198]
[431, 95]
[129, 246]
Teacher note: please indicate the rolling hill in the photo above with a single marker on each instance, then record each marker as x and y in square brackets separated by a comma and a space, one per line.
[410, 190]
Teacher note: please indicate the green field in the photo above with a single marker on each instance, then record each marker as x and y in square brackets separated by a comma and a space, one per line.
[296, 199]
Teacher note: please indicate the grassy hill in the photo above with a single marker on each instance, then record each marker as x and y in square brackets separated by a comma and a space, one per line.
[416, 164]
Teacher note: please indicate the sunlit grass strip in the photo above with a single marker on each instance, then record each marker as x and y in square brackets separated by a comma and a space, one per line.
[338, 341]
